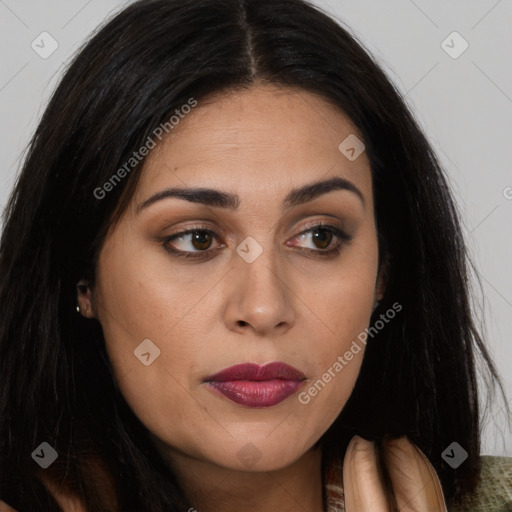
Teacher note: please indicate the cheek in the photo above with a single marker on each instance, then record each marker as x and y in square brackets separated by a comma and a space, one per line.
[335, 360]
[135, 304]
[136, 299]
[341, 301]
[342, 308]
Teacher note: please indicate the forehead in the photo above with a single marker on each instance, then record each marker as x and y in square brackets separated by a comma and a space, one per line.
[256, 139]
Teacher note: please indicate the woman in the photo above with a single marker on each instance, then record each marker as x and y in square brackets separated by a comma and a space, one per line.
[225, 207]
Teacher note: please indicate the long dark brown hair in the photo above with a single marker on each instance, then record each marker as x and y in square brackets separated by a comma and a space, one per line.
[418, 376]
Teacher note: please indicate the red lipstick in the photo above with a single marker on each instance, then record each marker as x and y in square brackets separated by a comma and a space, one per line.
[257, 386]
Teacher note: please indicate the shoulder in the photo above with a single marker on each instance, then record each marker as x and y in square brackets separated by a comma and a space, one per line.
[494, 492]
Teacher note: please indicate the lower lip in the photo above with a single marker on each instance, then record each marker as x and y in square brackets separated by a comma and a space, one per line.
[256, 393]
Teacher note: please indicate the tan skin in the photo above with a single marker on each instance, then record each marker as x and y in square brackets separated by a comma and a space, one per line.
[204, 315]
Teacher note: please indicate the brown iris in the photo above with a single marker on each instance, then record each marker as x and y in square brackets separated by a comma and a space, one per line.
[201, 240]
[323, 237]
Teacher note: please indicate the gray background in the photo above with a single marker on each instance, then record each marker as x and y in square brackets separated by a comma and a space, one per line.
[464, 104]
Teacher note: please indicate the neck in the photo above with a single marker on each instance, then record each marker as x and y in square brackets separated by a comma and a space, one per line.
[212, 488]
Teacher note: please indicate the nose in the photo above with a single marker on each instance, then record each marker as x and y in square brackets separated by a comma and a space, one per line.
[260, 298]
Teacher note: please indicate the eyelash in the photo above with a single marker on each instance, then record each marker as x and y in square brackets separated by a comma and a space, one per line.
[337, 232]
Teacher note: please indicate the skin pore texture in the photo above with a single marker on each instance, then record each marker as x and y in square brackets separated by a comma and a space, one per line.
[209, 313]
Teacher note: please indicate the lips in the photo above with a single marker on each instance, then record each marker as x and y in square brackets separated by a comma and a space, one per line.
[256, 386]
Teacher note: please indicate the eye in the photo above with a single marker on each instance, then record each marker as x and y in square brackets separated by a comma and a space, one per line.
[321, 237]
[191, 242]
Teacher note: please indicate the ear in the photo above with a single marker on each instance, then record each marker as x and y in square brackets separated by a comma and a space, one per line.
[382, 281]
[84, 299]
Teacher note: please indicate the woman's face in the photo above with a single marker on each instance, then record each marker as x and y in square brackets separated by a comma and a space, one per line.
[256, 283]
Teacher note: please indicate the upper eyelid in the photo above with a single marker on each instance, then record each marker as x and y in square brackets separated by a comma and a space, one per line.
[306, 228]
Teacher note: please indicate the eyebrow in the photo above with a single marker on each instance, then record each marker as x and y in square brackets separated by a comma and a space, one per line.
[219, 199]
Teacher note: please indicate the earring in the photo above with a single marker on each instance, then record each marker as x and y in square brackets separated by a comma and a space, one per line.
[78, 309]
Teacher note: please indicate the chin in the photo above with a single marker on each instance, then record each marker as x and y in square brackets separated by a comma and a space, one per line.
[260, 454]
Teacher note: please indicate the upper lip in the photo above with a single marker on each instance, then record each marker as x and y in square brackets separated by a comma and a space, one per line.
[255, 372]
